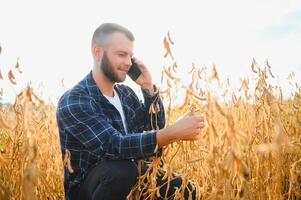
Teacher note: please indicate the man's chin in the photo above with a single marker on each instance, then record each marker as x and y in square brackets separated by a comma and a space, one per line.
[121, 79]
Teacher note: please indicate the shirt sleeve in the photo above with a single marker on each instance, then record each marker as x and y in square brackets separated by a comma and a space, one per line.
[95, 133]
[155, 109]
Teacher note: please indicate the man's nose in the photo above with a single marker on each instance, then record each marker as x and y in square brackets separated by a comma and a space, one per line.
[128, 62]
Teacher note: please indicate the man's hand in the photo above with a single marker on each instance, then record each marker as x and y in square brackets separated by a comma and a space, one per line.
[145, 79]
[187, 128]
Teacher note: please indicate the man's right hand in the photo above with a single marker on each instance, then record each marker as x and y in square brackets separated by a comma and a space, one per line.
[187, 128]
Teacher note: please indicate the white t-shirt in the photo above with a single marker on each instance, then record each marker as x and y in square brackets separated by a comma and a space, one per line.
[115, 100]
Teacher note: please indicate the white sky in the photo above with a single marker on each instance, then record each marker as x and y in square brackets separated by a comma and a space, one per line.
[52, 39]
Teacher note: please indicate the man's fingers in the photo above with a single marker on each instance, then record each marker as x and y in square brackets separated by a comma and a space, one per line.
[200, 125]
[200, 118]
[140, 63]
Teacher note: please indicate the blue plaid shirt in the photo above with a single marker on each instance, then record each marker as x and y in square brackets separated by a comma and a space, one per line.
[91, 128]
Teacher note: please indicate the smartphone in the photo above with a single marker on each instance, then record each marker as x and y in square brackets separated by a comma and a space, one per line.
[134, 71]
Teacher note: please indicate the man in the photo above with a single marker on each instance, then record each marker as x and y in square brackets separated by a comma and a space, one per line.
[107, 129]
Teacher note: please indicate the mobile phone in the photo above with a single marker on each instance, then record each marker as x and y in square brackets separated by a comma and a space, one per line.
[134, 71]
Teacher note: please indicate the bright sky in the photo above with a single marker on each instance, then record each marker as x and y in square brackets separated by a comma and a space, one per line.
[52, 39]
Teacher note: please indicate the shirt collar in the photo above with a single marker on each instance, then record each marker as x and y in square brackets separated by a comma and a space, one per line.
[95, 92]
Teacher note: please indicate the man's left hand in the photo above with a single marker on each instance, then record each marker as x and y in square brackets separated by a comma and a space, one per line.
[145, 79]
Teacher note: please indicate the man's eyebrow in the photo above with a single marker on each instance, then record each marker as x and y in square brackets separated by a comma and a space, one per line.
[125, 52]
[121, 51]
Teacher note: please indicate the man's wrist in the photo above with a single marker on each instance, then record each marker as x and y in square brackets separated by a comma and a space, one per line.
[149, 89]
[166, 136]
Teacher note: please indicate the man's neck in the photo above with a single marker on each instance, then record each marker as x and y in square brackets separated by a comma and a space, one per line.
[105, 85]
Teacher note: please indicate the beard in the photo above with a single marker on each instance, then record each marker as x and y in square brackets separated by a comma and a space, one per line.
[108, 70]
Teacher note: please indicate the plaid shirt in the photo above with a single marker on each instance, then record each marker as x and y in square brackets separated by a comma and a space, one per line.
[91, 128]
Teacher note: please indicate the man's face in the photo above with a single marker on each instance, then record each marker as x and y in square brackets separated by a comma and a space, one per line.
[116, 59]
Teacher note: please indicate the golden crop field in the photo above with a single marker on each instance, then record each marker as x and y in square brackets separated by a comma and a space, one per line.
[250, 147]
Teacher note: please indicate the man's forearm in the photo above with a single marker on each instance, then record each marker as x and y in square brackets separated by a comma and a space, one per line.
[166, 136]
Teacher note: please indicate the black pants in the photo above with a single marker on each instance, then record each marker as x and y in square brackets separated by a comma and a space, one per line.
[113, 180]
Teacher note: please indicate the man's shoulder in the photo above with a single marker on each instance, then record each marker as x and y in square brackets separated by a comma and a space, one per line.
[78, 90]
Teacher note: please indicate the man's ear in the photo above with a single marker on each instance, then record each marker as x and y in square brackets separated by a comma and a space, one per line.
[97, 52]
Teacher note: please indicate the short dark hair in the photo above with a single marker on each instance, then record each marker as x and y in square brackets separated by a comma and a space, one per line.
[101, 34]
